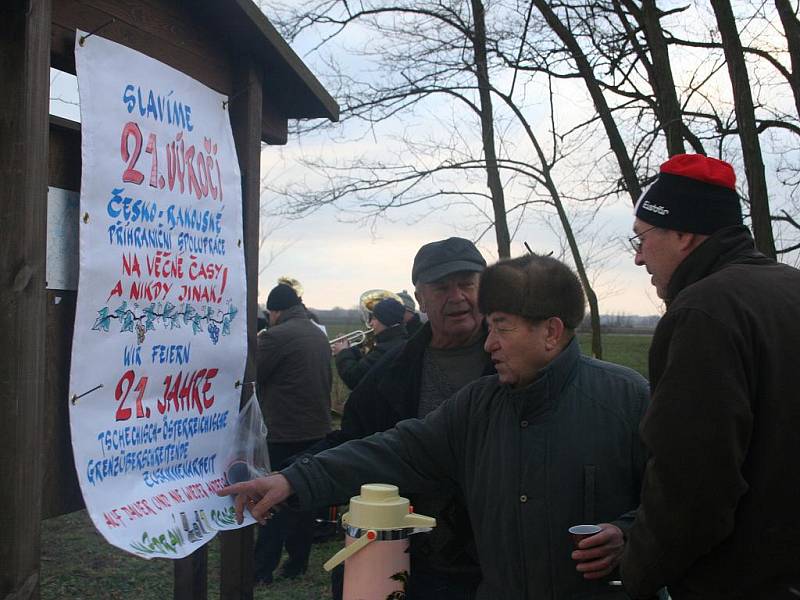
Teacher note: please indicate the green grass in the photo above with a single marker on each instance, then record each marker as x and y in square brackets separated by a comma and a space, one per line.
[629, 349]
[78, 563]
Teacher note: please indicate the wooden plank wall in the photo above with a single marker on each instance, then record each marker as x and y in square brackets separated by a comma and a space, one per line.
[24, 72]
[61, 491]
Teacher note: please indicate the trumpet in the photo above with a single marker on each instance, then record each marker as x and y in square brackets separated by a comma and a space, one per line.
[355, 338]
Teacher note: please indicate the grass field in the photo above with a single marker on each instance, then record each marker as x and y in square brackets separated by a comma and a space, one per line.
[622, 348]
[78, 563]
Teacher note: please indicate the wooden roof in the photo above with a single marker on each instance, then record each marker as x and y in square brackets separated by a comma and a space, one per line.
[206, 50]
[300, 94]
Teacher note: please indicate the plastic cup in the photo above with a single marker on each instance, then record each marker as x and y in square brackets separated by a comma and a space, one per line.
[579, 532]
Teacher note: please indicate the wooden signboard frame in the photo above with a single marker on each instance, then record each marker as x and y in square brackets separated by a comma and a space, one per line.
[228, 45]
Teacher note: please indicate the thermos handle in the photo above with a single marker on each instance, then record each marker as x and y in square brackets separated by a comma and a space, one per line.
[369, 536]
[418, 521]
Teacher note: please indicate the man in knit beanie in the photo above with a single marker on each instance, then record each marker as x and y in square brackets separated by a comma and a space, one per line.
[294, 384]
[693, 197]
[718, 517]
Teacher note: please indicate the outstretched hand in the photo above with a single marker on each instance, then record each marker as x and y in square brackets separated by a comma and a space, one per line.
[259, 495]
[599, 554]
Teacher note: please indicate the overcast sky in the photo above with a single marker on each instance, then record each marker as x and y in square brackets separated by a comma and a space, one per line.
[337, 257]
[337, 260]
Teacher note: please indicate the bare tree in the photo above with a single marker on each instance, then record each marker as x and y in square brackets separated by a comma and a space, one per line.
[433, 71]
[659, 72]
[492, 58]
[584, 67]
[745, 116]
[615, 47]
[791, 28]
[432, 57]
[542, 172]
[487, 129]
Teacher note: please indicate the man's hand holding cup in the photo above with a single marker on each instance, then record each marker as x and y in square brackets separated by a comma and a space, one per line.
[598, 549]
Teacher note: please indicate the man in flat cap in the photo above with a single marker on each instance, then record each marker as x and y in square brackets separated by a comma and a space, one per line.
[548, 442]
[414, 379]
[719, 513]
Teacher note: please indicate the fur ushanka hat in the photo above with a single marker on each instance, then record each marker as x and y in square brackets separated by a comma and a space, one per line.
[535, 287]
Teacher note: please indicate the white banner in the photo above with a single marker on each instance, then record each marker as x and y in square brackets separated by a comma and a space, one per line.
[160, 344]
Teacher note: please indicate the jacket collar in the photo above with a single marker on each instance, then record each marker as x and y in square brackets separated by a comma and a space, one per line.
[295, 312]
[404, 375]
[551, 380]
[726, 246]
[415, 346]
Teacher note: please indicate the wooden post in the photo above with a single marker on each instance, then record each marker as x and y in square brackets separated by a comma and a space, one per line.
[236, 564]
[25, 60]
[191, 576]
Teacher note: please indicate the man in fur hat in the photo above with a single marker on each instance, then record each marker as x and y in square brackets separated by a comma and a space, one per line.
[548, 442]
[719, 514]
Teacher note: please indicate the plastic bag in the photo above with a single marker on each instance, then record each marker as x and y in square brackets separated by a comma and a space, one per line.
[248, 457]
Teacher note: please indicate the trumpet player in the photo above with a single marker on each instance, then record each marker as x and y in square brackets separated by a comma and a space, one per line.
[386, 322]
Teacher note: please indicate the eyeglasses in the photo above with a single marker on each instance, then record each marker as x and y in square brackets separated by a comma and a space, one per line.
[637, 240]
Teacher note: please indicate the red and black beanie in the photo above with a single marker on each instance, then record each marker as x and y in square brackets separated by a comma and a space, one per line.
[693, 193]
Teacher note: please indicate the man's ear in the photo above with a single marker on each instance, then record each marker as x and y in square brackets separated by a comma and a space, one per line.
[553, 333]
[420, 302]
[687, 242]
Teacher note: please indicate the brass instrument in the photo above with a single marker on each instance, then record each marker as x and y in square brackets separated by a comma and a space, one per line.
[366, 303]
[355, 338]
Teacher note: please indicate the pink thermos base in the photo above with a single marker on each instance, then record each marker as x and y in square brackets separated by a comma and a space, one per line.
[368, 574]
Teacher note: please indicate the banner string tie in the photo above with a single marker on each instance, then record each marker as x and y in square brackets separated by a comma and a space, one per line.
[76, 397]
[83, 38]
[225, 103]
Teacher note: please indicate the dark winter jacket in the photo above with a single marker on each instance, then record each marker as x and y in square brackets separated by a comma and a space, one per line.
[414, 325]
[294, 378]
[352, 364]
[530, 463]
[719, 515]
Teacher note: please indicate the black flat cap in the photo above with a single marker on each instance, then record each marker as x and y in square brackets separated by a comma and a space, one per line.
[440, 259]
